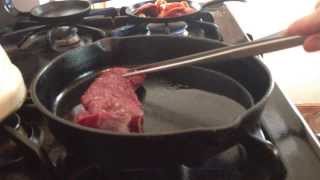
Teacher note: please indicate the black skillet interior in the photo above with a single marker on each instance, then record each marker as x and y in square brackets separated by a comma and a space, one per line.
[175, 100]
[60, 11]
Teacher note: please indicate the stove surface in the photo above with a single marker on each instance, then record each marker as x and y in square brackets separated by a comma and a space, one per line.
[296, 155]
[248, 160]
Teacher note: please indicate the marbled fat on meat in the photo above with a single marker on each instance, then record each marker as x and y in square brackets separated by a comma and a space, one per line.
[111, 103]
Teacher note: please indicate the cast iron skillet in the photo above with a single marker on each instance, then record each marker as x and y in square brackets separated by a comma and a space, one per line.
[172, 135]
[130, 11]
[60, 11]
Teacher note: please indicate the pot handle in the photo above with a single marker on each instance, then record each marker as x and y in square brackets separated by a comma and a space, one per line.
[216, 2]
[33, 152]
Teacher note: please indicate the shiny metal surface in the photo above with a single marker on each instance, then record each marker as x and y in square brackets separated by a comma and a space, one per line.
[297, 144]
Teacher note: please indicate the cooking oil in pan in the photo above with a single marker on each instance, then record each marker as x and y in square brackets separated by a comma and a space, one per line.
[169, 107]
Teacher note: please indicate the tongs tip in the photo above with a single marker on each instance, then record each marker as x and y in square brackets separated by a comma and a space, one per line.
[130, 73]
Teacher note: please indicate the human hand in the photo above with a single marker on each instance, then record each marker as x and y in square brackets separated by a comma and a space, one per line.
[308, 26]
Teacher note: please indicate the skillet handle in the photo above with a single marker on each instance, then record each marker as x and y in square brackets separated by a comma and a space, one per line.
[104, 12]
[264, 151]
[32, 151]
[216, 2]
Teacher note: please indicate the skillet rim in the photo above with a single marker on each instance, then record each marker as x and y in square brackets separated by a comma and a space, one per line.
[231, 126]
[38, 16]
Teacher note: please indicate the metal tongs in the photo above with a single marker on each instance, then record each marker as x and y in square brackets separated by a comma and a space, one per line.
[267, 44]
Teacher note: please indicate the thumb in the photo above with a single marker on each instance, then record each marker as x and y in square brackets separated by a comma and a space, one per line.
[312, 43]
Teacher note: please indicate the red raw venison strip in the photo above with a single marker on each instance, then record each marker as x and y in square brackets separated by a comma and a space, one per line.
[111, 103]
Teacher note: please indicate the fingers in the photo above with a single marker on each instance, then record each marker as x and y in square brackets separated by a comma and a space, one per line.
[317, 5]
[307, 25]
[312, 43]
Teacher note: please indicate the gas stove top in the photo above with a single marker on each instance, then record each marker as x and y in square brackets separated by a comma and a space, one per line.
[290, 149]
[32, 45]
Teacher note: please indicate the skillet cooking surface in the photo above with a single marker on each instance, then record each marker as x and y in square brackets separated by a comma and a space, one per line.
[171, 102]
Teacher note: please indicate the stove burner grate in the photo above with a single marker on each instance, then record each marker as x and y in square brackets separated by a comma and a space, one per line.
[236, 163]
[64, 38]
[175, 28]
[9, 152]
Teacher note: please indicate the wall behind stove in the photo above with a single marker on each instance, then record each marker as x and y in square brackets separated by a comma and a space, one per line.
[296, 72]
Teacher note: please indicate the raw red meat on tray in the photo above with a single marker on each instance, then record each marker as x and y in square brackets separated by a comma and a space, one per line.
[111, 103]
